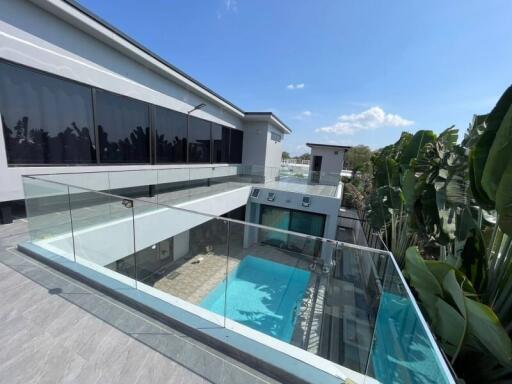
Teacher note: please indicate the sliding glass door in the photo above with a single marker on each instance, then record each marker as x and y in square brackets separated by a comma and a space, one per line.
[276, 218]
[291, 220]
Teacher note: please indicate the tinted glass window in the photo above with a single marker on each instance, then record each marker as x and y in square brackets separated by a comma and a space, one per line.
[171, 136]
[198, 140]
[307, 223]
[220, 142]
[45, 120]
[235, 146]
[123, 128]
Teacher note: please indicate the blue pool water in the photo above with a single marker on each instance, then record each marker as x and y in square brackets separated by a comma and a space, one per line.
[402, 352]
[261, 294]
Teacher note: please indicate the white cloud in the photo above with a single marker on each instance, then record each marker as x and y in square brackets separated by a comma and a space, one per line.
[293, 86]
[372, 118]
[303, 115]
[227, 6]
[231, 5]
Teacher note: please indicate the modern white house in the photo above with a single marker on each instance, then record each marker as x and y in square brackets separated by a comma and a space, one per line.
[80, 96]
[147, 185]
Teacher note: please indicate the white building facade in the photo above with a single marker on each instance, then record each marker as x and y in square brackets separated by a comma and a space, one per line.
[76, 95]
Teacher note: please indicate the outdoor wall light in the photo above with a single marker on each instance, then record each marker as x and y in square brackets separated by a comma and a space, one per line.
[198, 106]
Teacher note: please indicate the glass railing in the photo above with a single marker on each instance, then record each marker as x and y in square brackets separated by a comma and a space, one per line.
[333, 311]
[294, 171]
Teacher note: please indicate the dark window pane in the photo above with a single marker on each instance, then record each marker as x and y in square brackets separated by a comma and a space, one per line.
[307, 223]
[198, 141]
[45, 120]
[171, 136]
[123, 128]
[235, 146]
[220, 140]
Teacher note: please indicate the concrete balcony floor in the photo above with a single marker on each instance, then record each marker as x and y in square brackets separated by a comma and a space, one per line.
[57, 330]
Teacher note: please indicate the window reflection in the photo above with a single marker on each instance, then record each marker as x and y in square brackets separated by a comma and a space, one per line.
[199, 140]
[171, 136]
[123, 128]
[45, 120]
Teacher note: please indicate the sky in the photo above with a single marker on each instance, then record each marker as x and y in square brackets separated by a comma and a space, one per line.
[341, 72]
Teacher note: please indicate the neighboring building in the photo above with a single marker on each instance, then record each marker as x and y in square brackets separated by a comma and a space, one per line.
[326, 162]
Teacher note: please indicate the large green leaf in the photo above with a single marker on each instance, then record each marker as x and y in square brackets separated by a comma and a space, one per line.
[439, 270]
[485, 326]
[499, 156]
[480, 151]
[450, 327]
[423, 281]
[413, 149]
[409, 189]
[476, 162]
[504, 200]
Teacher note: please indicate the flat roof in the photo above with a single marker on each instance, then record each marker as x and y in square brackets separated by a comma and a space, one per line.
[311, 145]
[271, 117]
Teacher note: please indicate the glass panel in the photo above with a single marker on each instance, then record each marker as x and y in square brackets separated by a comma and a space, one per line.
[236, 144]
[171, 136]
[103, 233]
[198, 140]
[98, 181]
[173, 185]
[46, 120]
[307, 223]
[135, 184]
[123, 128]
[401, 349]
[220, 140]
[48, 215]
[276, 218]
[184, 257]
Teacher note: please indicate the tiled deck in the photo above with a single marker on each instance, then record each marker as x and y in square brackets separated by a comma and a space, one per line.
[56, 330]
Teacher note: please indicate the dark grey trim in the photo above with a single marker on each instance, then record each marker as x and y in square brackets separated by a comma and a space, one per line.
[328, 145]
[269, 114]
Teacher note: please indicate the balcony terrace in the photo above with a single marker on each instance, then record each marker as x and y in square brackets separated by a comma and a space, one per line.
[317, 310]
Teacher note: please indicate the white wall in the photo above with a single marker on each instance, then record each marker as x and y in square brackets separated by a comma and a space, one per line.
[332, 162]
[255, 141]
[274, 149]
[33, 37]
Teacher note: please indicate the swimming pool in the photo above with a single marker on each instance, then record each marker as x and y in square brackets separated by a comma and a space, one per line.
[261, 294]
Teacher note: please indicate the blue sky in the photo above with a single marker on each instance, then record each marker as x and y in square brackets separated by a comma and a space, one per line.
[343, 72]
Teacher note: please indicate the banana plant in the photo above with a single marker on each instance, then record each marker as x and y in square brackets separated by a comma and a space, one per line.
[490, 172]
[469, 331]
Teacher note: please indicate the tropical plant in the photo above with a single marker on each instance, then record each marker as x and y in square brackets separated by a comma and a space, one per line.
[420, 194]
[490, 171]
[454, 202]
[469, 331]
[468, 295]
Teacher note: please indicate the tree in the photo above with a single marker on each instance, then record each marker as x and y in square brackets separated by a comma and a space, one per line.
[285, 155]
[305, 156]
[358, 158]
